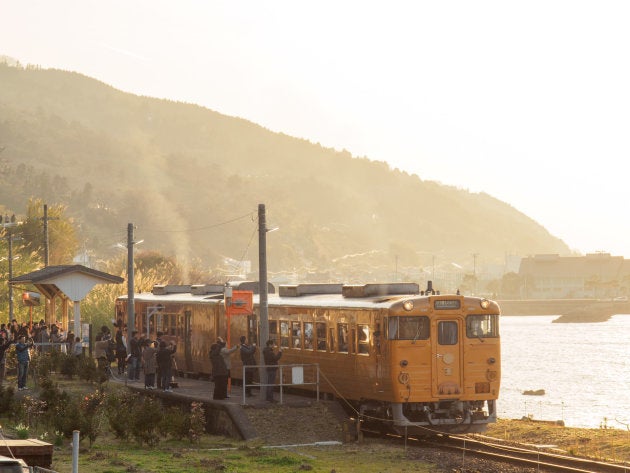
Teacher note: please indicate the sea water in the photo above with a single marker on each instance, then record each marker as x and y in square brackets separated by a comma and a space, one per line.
[584, 369]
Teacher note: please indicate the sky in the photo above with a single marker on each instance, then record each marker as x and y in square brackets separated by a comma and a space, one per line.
[526, 101]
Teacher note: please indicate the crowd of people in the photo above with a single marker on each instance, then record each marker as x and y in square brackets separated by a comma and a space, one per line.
[139, 354]
[154, 358]
[24, 337]
[220, 357]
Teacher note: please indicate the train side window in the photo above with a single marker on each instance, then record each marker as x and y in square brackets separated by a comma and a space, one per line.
[332, 339]
[320, 329]
[342, 336]
[273, 331]
[408, 328]
[308, 335]
[447, 332]
[296, 335]
[284, 334]
[353, 340]
[482, 326]
[363, 332]
[173, 324]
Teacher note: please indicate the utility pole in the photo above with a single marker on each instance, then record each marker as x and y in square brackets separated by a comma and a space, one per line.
[8, 224]
[10, 238]
[46, 241]
[262, 281]
[131, 316]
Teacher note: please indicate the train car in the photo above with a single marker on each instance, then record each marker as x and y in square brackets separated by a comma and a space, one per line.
[422, 362]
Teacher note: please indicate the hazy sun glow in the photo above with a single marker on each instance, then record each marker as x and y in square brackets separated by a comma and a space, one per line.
[527, 101]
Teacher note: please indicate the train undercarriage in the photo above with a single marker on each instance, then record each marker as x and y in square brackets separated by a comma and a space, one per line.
[429, 418]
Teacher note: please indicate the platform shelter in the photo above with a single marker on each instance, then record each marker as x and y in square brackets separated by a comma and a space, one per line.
[66, 283]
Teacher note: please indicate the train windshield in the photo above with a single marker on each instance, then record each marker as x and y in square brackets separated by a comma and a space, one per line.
[482, 326]
[408, 328]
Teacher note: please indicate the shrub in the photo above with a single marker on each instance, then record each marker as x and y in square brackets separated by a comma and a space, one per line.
[118, 408]
[145, 419]
[7, 399]
[86, 369]
[69, 365]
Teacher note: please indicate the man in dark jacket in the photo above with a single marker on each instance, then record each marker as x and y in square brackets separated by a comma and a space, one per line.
[248, 359]
[164, 360]
[219, 372]
[135, 356]
[23, 358]
[271, 363]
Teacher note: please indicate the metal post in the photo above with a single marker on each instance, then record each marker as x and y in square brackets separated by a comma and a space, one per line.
[10, 276]
[262, 277]
[131, 316]
[75, 451]
[46, 257]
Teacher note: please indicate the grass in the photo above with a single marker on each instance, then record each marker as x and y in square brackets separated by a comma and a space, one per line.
[221, 454]
[604, 444]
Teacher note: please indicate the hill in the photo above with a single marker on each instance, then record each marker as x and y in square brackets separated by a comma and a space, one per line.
[190, 179]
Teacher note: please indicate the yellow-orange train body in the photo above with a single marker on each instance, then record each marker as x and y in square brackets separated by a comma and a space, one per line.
[420, 362]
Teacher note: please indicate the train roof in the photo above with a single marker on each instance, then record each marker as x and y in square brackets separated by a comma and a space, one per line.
[365, 296]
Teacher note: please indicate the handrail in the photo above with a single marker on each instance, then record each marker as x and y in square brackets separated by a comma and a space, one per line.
[281, 384]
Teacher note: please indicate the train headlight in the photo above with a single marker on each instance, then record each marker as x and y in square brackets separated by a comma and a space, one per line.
[403, 363]
[408, 305]
[485, 303]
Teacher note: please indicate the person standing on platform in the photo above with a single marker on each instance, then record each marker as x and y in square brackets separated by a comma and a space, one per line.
[248, 359]
[219, 372]
[121, 346]
[135, 356]
[22, 350]
[227, 353]
[149, 362]
[164, 359]
[271, 368]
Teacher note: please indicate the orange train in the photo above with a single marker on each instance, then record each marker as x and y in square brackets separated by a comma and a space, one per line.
[420, 360]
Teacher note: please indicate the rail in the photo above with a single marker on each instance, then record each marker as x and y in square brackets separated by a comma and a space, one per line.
[296, 378]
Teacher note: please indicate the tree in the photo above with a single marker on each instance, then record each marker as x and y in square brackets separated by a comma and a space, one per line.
[62, 237]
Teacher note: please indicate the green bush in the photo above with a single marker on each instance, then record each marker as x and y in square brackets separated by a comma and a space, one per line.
[145, 419]
[175, 423]
[69, 365]
[86, 369]
[119, 406]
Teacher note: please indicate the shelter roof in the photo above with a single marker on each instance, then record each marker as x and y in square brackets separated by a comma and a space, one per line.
[47, 280]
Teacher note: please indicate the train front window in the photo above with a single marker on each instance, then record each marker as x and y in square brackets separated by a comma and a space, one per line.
[482, 326]
[447, 333]
[408, 328]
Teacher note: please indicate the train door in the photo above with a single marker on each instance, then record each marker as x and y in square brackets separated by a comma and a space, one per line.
[447, 370]
[187, 336]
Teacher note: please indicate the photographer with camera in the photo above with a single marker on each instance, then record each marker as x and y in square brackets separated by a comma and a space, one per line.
[22, 351]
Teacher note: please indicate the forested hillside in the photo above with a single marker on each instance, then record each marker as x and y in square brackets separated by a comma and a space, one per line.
[190, 179]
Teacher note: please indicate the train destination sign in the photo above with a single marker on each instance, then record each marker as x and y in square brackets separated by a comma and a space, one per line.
[447, 304]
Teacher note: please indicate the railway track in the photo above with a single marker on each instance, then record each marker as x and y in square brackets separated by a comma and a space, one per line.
[491, 450]
[538, 459]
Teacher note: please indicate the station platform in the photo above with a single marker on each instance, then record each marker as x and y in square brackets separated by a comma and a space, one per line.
[230, 417]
